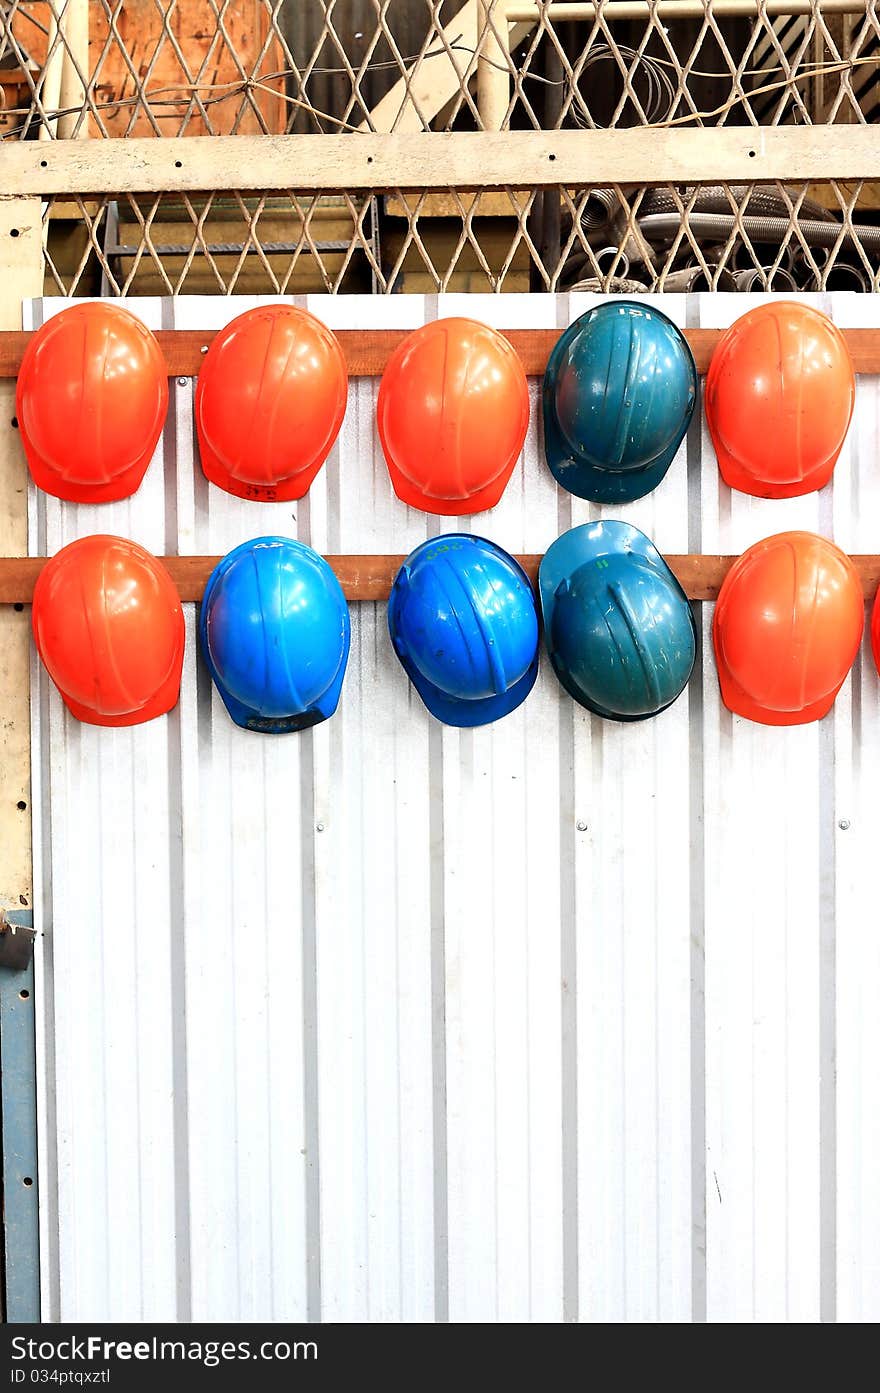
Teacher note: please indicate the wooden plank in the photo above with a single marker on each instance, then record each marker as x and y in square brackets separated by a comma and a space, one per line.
[21, 238]
[369, 577]
[436, 160]
[367, 350]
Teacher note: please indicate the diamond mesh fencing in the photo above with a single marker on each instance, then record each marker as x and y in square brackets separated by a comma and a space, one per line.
[117, 68]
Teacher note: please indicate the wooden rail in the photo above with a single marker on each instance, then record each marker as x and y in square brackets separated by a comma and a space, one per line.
[420, 160]
[367, 350]
[370, 577]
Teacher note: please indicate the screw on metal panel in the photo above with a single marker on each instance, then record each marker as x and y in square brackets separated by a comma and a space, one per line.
[319, 826]
[183, 381]
[843, 824]
[582, 827]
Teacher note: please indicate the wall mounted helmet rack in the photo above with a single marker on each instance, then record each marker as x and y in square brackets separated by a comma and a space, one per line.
[370, 576]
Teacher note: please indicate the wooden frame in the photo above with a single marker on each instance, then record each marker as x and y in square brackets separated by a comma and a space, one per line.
[21, 240]
[427, 160]
[367, 350]
[369, 577]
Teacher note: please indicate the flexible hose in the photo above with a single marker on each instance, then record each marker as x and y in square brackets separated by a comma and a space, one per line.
[764, 278]
[764, 200]
[598, 209]
[844, 276]
[614, 260]
[691, 278]
[617, 285]
[659, 227]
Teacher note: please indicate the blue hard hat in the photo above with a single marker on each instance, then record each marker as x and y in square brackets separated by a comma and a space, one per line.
[275, 631]
[464, 624]
[617, 624]
[619, 394]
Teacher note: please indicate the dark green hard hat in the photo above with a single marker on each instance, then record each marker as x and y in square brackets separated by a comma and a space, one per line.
[618, 626]
[619, 394]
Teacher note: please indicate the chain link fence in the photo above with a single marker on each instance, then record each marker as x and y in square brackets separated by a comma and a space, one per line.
[121, 68]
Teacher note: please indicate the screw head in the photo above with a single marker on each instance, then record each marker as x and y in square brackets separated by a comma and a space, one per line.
[319, 826]
[582, 827]
[843, 824]
[183, 381]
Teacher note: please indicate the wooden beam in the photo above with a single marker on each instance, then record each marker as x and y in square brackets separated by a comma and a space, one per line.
[370, 577]
[432, 160]
[21, 240]
[74, 71]
[435, 78]
[367, 350]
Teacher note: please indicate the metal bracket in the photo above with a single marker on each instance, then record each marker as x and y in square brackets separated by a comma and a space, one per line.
[16, 943]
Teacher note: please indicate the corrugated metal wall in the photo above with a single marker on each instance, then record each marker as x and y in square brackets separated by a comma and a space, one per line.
[556, 1019]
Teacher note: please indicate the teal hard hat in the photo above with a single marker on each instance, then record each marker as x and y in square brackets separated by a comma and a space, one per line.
[617, 624]
[619, 394]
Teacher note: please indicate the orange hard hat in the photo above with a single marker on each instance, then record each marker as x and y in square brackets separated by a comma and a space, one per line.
[875, 630]
[91, 401]
[779, 399]
[787, 627]
[453, 412]
[269, 403]
[109, 628]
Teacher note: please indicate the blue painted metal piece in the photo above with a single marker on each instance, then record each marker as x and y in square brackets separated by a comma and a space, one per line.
[619, 394]
[618, 626]
[18, 1097]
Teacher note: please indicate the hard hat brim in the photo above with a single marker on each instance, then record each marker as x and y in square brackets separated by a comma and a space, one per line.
[467, 714]
[582, 699]
[478, 502]
[736, 477]
[284, 491]
[164, 701]
[577, 475]
[47, 478]
[740, 703]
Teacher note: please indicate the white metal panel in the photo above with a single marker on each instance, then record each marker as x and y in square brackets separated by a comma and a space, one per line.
[389, 1021]
[765, 795]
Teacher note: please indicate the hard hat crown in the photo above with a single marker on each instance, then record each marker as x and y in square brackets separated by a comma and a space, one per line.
[780, 393]
[452, 414]
[619, 393]
[275, 631]
[787, 627]
[270, 401]
[109, 628]
[92, 398]
[463, 622]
